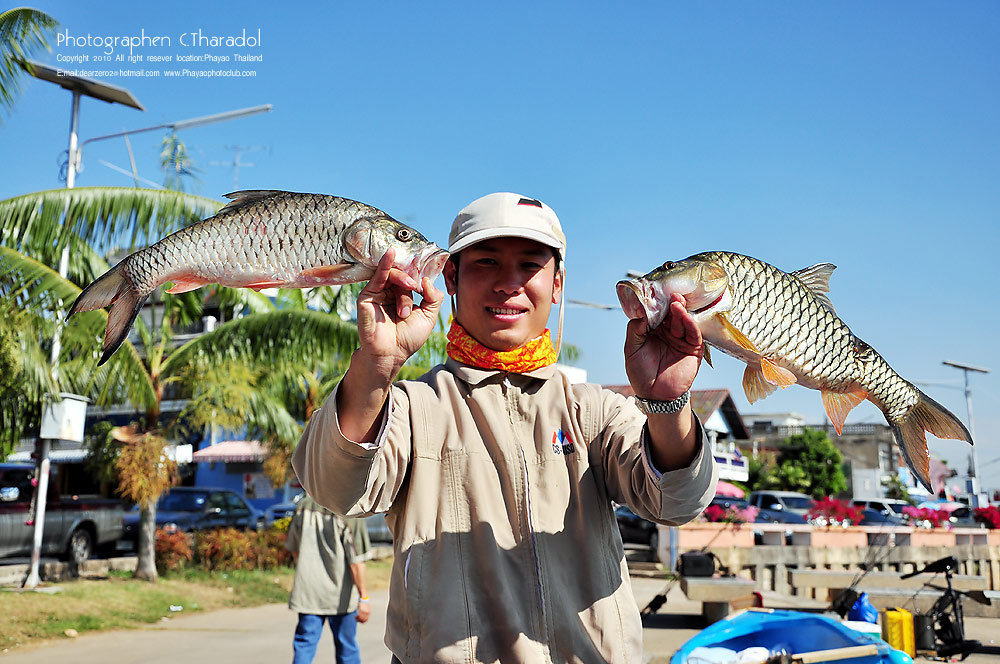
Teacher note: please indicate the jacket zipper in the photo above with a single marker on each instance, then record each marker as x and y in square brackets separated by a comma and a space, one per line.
[511, 407]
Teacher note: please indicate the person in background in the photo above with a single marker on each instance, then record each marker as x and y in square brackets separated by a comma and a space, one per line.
[496, 473]
[329, 584]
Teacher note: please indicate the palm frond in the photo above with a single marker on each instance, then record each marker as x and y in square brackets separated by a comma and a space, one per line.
[98, 216]
[37, 291]
[23, 31]
[263, 340]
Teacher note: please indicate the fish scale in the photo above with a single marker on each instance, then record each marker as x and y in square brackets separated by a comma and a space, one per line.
[262, 239]
[784, 328]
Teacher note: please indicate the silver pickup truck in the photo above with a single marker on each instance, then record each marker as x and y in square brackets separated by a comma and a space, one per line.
[75, 526]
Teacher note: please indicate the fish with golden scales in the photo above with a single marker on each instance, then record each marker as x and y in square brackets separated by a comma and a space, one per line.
[261, 239]
[784, 327]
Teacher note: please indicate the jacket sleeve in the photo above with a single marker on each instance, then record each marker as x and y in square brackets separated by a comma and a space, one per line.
[671, 498]
[354, 479]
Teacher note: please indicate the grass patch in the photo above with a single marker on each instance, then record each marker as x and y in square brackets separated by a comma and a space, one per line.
[121, 602]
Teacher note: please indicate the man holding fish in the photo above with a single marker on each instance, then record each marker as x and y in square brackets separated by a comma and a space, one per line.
[496, 474]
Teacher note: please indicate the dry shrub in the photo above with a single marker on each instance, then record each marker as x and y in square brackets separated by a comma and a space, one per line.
[229, 549]
[173, 551]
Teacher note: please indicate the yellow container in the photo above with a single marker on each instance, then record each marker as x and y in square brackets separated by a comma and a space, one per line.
[897, 630]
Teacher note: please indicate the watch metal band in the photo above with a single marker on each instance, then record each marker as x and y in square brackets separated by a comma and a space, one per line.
[654, 407]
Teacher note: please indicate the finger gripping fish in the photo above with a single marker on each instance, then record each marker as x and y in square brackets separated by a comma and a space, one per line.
[784, 327]
[262, 239]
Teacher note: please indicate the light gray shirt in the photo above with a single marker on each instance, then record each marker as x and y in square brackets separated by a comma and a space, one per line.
[327, 545]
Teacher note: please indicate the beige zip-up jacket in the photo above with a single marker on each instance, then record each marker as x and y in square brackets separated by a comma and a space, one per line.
[498, 490]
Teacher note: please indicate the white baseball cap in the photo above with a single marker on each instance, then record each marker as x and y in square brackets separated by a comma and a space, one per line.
[507, 215]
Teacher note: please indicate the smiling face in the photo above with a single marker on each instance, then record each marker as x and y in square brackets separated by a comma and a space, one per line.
[504, 289]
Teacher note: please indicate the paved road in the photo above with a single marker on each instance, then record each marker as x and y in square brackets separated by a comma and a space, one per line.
[264, 634]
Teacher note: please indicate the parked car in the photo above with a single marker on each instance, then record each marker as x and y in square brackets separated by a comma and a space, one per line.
[75, 526]
[635, 529]
[378, 529]
[964, 517]
[782, 501]
[876, 517]
[888, 506]
[188, 509]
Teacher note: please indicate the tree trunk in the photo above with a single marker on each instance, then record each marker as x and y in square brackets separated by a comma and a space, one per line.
[145, 568]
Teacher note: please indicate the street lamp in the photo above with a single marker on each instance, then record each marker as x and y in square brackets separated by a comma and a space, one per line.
[111, 94]
[968, 403]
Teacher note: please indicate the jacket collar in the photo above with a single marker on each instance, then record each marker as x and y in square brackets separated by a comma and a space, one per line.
[475, 375]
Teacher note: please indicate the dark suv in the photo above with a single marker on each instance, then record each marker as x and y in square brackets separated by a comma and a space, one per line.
[196, 508]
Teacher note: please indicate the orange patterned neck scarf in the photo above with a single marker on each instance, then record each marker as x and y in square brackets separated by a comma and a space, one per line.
[535, 354]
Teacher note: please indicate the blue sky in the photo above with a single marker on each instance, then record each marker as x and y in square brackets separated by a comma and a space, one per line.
[862, 134]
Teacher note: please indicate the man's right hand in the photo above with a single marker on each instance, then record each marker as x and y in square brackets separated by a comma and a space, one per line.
[390, 330]
[390, 327]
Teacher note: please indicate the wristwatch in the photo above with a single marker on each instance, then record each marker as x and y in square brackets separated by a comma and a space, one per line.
[655, 407]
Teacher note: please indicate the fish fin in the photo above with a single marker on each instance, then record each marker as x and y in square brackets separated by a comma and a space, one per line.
[100, 293]
[737, 336]
[341, 273]
[755, 386]
[246, 196]
[112, 288]
[776, 375]
[185, 284]
[260, 285]
[125, 307]
[925, 415]
[839, 404]
[706, 354]
[817, 279]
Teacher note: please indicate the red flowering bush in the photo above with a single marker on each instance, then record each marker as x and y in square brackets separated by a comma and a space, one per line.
[990, 516]
[833, 512]
[927, 518]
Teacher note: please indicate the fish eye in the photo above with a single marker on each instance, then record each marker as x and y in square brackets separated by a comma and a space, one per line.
[669, 265]
[404, 235]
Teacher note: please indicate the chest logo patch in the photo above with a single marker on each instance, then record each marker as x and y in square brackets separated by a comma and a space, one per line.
[562, 443]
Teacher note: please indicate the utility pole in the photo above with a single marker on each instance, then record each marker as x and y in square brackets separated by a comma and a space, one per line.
[976, 487]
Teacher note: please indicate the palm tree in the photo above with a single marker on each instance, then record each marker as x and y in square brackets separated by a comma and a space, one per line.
[220, 370]
[22, 32]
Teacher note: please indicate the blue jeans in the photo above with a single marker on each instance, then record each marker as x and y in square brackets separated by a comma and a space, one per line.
[345, 637]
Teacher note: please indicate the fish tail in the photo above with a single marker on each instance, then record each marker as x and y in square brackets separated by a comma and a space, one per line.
[114, 289]
[925, 415]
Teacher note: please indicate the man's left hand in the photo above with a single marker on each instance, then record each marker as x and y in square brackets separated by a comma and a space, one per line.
[662, 363]
[364, 611]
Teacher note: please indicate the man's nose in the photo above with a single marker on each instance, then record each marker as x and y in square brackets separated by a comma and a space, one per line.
[509, 282]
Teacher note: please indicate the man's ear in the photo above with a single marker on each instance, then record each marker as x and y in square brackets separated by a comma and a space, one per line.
[451, 276]
[557, 287]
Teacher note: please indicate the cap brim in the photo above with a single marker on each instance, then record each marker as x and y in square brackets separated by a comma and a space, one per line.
[506, 231]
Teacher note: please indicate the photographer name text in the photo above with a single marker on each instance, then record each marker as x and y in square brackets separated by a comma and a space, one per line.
[111, 44]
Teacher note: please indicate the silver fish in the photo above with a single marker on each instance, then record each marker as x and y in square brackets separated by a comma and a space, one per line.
[262, 239]
[786, 330]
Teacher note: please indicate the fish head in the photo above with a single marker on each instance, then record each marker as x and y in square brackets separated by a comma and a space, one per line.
[701, 282]
[368, 239]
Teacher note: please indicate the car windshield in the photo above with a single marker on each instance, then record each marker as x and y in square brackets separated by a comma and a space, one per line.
[182, 502]
[897, 507]
[798, 502]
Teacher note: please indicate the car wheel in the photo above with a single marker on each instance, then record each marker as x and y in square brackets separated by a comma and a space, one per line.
[80, 546]
[261, 524]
